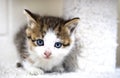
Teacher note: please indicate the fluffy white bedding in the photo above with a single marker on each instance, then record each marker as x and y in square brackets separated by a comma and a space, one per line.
[9, 71]
[96, 32]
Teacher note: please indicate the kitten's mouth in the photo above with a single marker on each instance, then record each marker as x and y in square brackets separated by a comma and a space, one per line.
[46, 57]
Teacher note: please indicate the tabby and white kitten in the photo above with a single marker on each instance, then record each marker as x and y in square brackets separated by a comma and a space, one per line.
[47, 44]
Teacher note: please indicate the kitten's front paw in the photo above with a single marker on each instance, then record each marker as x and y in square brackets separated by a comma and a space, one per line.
[35, 71]
[58, 69]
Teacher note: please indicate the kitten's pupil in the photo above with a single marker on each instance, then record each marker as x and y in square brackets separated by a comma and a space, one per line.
[29, 37]
[58, 44]
[40, 42]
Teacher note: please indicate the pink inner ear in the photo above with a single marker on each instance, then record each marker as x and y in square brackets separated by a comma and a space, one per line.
[72, 21]
[72, 24]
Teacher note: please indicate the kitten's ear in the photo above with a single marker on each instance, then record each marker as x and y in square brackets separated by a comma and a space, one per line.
[72, 24]
[30, 18]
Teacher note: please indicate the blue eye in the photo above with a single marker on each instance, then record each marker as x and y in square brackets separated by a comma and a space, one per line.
[40, 42]
[58, 44]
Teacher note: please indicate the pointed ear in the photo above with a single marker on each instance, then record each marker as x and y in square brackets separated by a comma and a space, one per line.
[72, 24]
[30, 18]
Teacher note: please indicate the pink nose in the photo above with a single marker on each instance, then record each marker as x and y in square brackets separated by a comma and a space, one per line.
[47, 53]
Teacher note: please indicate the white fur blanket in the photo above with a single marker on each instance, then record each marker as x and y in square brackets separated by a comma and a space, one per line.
[96, 32]
[9, 71]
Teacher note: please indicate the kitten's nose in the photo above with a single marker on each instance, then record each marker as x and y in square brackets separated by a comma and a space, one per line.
[47, 54]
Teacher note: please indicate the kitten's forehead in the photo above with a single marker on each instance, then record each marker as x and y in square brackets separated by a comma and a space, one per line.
[50, 38]
[51, 30]
[50, 35]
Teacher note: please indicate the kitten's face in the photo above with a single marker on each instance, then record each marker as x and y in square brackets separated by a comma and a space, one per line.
[50, 37]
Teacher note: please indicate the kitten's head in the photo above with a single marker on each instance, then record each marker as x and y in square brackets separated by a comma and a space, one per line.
[50, 37]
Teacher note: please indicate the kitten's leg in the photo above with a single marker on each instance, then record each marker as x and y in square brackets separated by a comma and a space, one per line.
[31, 69]
[58, 68]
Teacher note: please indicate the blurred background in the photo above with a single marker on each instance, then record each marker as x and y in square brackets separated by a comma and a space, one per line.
[118, 50]
[12, 18]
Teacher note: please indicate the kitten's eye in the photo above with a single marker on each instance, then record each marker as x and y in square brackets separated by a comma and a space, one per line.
[58, 44]
[40, 42]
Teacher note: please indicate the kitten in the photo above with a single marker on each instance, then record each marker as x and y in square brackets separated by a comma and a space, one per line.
[47, 43]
